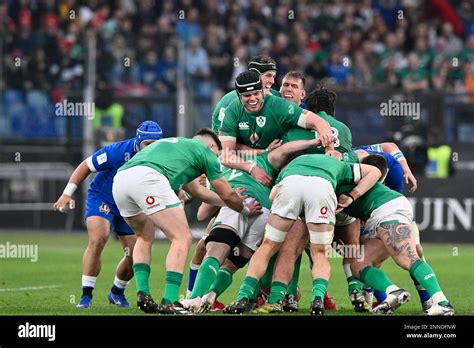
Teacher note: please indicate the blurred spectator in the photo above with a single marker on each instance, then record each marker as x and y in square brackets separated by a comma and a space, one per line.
[189, 28]
[338, 68]
[167, 71]
[388, 75]
[414, 78]
[197, 68]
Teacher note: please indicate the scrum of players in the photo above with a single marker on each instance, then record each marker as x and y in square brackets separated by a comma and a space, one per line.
[278, 177]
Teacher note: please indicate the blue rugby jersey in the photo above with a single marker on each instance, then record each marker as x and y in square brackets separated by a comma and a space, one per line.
[106, 162]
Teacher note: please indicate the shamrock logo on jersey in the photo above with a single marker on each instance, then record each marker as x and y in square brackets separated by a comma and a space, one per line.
[261, 121]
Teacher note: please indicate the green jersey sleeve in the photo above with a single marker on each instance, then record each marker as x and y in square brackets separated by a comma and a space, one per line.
[288, 112]
[212, 165]
[351, 174]
[229, 120]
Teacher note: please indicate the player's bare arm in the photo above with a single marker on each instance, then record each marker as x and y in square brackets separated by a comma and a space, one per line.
[369, 175]
[395, 151]
[313, 121]
[64, 202]
[233, 200]
[241, 148]
[279, 157]
[230, 159]
[205, 211]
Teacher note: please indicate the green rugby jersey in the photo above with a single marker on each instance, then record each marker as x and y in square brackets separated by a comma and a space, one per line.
[181, 160]
[326, 167]
[219, 110]
[259, 129]
[363, 207]
[338, 128]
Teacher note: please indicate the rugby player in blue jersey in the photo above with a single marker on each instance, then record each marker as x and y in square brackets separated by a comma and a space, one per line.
[102, 214]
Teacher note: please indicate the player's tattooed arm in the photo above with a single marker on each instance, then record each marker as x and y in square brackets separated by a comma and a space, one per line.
[398, 239]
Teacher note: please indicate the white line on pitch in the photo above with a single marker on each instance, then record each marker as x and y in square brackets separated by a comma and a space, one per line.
[32, 288]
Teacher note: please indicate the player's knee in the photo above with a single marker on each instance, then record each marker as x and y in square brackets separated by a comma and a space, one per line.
[97, 242]
[223, 235]
[187, 239]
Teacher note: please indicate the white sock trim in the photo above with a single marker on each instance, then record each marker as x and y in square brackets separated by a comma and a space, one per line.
[121, 284]
[439, 297]
[194, 267]
[88, 281]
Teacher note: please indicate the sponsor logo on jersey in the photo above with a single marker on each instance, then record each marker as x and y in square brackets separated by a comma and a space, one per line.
[244, 125]
[254, 138]
[323, 211]
[104, 208]
[150, 200]
[261, 120]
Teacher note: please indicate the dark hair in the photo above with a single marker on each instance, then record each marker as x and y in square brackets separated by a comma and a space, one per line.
[296, 75]
[209, 132]
[321, 99]
[378, 161]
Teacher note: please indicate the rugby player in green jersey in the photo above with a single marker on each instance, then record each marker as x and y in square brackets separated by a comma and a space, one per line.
[267, 69]
[388, 217]
[262, 65]
[144, 188]
[306, 185]
[256, 120]
[322, 102]
[233, 230]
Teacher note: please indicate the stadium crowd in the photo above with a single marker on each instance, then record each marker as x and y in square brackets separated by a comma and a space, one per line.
[411, 44]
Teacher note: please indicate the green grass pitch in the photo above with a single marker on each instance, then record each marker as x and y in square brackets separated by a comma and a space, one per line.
[52, 284]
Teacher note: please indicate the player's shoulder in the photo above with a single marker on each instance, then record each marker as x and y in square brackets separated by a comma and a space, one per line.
[234, 105]
[228, 98]
[120, 146]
